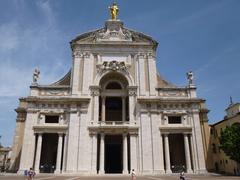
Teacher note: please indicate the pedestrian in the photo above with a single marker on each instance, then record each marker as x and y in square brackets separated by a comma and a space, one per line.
[133, 175]
[31, 174]
[182, 177]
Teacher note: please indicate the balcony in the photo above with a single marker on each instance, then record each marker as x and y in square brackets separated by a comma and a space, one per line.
[113, 126]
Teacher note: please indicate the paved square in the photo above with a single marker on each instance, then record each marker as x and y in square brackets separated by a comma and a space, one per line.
[120, 177]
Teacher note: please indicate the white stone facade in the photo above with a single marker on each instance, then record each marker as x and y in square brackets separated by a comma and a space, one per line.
[112, 101]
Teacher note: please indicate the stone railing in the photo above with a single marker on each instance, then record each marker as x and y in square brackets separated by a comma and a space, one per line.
[172, 92]
[111, 123]
[54, 92]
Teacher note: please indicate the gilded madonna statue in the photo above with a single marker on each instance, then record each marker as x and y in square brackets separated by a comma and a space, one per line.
[114, 11]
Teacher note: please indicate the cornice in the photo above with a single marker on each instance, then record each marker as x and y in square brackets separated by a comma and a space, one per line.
[169, 100]
[57, 99]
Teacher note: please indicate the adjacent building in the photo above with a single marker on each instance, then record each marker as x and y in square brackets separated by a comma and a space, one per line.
[112, 112]
[5, 154]
[218, 161]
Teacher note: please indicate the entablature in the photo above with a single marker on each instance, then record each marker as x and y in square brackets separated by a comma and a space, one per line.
[162, 105]
[50, 128]
[175, 129]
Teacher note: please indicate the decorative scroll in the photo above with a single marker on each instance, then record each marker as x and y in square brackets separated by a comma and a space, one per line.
[112, 66]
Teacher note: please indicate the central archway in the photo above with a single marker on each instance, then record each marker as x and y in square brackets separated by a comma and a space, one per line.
[113, 99]
[113, 109]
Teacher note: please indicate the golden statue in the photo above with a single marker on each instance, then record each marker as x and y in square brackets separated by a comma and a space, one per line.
[114, 11]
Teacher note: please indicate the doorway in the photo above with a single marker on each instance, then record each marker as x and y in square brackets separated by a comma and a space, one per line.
[48, 153]
[177, 153]
[113, 154]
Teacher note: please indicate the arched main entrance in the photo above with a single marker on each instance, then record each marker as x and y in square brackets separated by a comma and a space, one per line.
[113, 109]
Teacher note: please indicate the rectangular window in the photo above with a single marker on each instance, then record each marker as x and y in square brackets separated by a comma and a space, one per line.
[174, 120]
[51, 119]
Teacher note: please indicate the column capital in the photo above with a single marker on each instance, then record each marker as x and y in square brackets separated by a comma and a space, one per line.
[95, 90]
[133, 133]
[38, 133]
[165, 133]
[124, 134]
[102, 134]
[60, 134]
[92, 133]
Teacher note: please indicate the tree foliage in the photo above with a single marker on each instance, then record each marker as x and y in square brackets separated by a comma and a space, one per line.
[230, 142]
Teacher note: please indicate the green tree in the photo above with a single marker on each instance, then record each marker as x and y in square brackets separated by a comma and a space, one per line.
[230, 142]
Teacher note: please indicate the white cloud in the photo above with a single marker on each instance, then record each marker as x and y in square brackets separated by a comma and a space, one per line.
[47, 12]
[25, 47]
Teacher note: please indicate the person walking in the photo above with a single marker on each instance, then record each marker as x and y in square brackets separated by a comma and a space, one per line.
[182, 176]
[31, 174]
[133, 175]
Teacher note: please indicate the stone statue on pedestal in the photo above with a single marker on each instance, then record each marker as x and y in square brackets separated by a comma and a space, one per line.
[190, 77]
[36, 74]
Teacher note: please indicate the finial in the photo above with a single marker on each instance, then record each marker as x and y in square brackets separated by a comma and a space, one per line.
[114, 11]
[190, 77]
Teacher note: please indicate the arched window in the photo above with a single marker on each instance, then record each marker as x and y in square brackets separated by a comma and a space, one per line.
[113, 85]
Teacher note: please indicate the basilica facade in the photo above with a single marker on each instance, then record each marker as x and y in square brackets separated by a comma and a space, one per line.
[112, 112]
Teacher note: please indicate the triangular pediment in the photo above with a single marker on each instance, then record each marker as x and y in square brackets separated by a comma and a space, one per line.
[114, 32]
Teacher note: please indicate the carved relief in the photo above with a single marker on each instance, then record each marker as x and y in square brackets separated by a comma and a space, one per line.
[77, 54]
[112, 66]
[80, 54]
[142, 55]
[54, 93]
[114, 32]
[132, 91]
[95, 90]
[172, 93]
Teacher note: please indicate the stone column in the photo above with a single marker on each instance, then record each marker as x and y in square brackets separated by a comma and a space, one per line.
[125, 155]
[123, 109]
[167, 154]
[94, 154]
[65, 152]
[187, 153]
[38, 153]
[193, 154]
[161, 155]
[102, 151]
[59, 154]
[103, 108]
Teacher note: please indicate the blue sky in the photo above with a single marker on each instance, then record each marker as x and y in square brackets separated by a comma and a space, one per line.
[202, 36]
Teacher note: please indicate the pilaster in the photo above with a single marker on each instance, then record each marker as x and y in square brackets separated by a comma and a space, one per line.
[28, 147]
